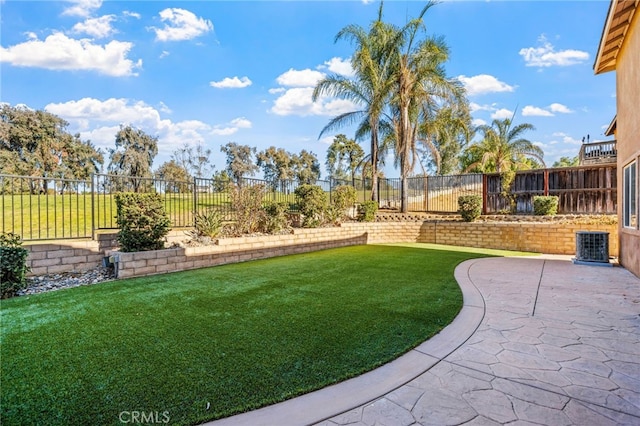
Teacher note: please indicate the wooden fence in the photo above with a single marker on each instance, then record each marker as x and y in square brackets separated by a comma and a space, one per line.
[589, 189]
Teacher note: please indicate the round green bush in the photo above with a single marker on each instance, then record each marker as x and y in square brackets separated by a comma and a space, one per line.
[470, 207]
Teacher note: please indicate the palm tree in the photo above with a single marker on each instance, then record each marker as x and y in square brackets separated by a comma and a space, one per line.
[370, 88]
[503, 148]
[444, 137]
[420, 89]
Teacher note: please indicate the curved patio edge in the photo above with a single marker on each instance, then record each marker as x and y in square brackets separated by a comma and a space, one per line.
[333, 400]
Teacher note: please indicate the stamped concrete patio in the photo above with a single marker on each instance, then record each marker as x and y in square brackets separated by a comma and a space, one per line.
[539, 341]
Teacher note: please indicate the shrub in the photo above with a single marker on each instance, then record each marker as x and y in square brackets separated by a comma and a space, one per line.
[367, 211]
[343, 197]
[142, 220]
[207, 225]
[13, 264]
[275, 218]
[545, 205]
[246, 202]
[470, 207]
[312, 203]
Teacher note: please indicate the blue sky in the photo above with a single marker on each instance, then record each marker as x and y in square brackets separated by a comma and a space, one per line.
[211, 72]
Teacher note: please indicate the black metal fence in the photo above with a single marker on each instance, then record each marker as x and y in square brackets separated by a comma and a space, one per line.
[41, 208]
[46, 208]
[437, 194]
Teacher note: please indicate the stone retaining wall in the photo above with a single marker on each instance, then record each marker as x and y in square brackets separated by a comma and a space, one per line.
[554, 237]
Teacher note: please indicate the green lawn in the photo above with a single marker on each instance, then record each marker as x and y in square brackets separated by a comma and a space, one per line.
[231, 338]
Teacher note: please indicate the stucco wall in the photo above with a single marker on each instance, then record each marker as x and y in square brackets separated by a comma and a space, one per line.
[628, 133]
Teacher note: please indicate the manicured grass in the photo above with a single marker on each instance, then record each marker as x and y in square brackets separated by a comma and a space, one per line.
[209, 343]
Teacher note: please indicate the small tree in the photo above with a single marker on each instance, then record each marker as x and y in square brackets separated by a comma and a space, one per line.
[142, 220]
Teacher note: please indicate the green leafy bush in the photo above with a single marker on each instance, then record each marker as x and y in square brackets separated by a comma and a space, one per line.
[142, 220]
[470, 207]
[275, 217]
[312, 203]
[342, 197]
[13, 264]
[246, 202]
[545, 205]
[367, 211]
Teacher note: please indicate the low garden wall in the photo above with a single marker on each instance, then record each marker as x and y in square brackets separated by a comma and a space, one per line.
[556, 236]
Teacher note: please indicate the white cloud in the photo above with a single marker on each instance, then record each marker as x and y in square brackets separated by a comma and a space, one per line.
[181, 24]
[502, 114]
[567, 139]
[99, 121]
[300, 78]
[477, 107]
[478, 122]
[241, 123]
[59, 52]
[82, 7]
[297, 101]
[96, 27]
[164, 108]
[112, 110]
[224, 131]
[135, 15]
[484, 83]
[339, 66]
[556, 107]
[231, 83]
[277, 90]
[164, 54]
[232, 127]
[532, 111]
[545, 55]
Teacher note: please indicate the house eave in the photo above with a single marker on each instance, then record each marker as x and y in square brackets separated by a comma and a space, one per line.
[615, 29]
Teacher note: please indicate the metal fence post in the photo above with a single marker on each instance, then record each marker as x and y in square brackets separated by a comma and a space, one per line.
[93, 209]
[195, 201]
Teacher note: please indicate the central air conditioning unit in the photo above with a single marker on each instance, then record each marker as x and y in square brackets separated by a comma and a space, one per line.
[592, 248]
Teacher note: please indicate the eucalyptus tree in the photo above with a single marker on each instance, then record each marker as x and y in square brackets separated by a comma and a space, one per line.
[177, 178]
[306, 167]
[133, 155]
[344, 153]
[369, 89]
[240, 160]
[277, 165]
[420, 88]
[502, 148]
[194, 159]
[37, 143]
